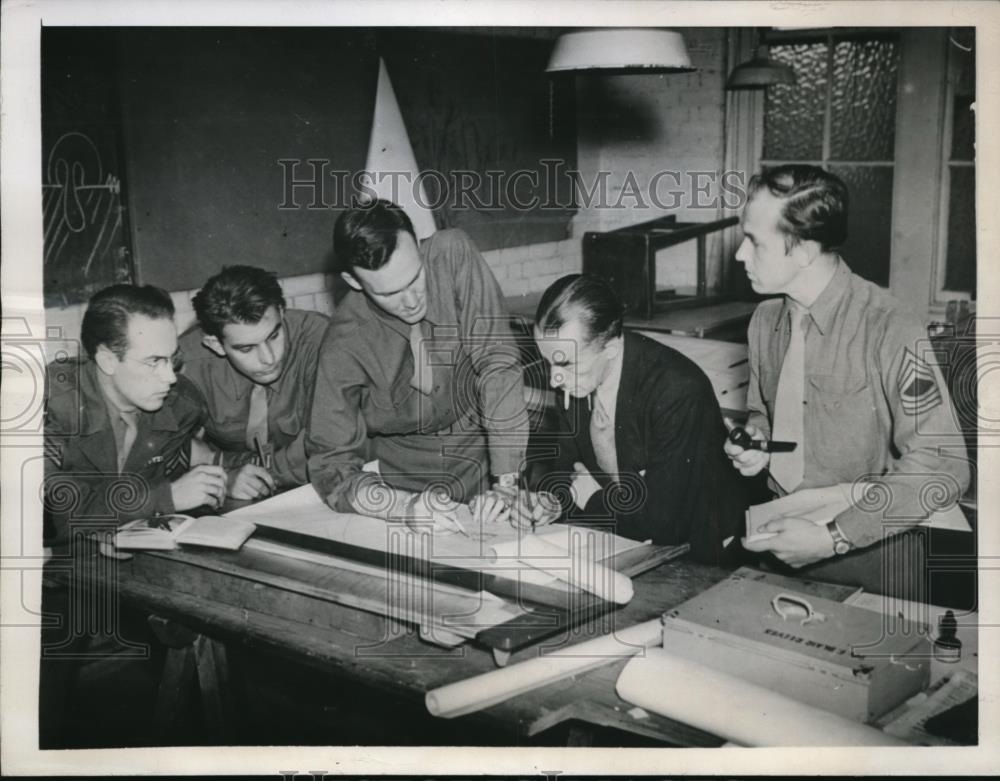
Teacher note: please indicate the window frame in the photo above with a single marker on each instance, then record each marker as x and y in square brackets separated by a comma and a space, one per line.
[941, 295]
[831, 36]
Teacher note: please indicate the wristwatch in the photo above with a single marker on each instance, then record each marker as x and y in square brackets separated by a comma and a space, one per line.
[841, 544]
[507, 480]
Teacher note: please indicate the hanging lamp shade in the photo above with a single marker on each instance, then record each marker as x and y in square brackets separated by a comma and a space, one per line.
[761, 71]
[640, 50]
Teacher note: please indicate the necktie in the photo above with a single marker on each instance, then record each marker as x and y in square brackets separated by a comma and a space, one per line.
[602, 437]
[423, 378]
[257, 419]
[787, 468]
[129, 433]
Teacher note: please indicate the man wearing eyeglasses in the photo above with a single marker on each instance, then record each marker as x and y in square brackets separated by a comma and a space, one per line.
[254, 361]
[119, 422]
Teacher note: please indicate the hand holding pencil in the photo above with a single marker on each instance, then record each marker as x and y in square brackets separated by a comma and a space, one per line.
[529, 509]
[252, 481]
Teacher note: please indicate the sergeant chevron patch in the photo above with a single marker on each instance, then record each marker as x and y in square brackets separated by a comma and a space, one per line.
[53, 451]
[179, 460]
[918, 388]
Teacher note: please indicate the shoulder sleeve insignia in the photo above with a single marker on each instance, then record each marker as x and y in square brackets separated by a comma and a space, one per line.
[918, 387]
[53, 452]
[178, 461]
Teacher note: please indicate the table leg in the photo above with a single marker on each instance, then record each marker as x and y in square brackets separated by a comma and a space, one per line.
[213, 675]
[192, 657]
[174, 691]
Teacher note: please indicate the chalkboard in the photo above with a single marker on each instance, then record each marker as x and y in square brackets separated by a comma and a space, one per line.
[243, 145]
[209, 114]
[86, 231]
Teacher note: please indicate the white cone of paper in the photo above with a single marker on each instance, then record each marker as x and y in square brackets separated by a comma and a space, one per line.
[391, 166]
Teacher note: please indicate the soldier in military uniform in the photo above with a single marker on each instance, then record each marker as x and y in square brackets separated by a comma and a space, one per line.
[119, 422]
[254, 362]
[840, 367]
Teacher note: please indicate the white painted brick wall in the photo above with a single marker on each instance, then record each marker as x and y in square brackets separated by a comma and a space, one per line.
[519, 270]
[668, 122]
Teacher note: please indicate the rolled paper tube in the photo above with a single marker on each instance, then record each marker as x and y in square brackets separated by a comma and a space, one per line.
[483, 691]
[735, 709]
[574, 567]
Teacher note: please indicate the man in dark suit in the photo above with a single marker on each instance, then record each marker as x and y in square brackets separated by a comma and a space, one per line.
[640, 427]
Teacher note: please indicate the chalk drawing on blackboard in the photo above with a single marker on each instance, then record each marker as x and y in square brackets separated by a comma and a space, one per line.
[82, 215]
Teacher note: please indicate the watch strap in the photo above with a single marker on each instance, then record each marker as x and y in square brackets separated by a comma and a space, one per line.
[841, 544]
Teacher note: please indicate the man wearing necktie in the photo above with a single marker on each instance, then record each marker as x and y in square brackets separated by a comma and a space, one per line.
[639, 442]
[419, 371]
[119, 421]
[839, 366]
[254, 360]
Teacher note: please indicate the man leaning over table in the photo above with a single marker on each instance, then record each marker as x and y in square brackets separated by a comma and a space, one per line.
[254, 360]
[640, 444]
[418, 370]
[840, 367]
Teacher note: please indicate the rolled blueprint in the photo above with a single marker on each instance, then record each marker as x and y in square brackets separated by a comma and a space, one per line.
[734, 709]
[574, 564]
[483, 691]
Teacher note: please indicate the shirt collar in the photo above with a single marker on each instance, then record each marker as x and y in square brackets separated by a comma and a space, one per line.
[824, 308]
[607, 391]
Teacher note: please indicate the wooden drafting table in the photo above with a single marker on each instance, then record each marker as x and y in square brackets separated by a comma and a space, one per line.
[259, 609]
[454, 588]
[379, 653]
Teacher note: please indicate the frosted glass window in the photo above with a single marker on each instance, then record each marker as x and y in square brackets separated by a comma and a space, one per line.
[841, 114]
[863, 100]
[793, 114]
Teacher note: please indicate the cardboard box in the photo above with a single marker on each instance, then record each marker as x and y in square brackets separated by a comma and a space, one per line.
[843, 659]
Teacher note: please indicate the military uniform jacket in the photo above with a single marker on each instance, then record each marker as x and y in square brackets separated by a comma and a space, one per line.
[82, 482]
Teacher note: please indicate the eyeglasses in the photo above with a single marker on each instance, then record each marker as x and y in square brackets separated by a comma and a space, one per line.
[152, 365]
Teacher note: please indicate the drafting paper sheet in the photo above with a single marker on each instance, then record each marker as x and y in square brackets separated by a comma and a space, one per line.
[490, 546]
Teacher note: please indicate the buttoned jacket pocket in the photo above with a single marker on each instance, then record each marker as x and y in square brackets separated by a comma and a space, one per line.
[841, 428]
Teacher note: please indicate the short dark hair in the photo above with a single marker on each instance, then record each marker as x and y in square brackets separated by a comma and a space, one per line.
[365, 237]
[587, 297]
[106, 319]
[237, 294]
[815, 204]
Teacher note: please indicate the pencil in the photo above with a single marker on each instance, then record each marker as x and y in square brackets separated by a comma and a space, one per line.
[260, 450]
[522, 484]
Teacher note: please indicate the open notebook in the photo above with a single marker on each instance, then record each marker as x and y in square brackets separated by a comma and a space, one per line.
[168, 532]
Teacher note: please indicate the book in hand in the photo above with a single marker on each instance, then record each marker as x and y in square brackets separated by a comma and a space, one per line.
[168, 532]
[821, 505]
